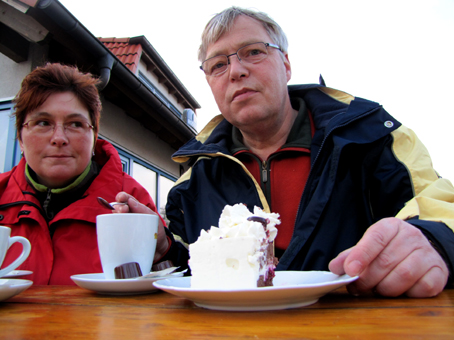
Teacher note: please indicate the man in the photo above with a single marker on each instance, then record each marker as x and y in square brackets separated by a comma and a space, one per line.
[354, 188]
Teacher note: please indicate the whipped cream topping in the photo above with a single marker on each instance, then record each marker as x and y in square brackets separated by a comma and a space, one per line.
[234, 223]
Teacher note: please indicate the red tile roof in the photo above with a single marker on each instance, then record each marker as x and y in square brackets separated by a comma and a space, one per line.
[129, 54]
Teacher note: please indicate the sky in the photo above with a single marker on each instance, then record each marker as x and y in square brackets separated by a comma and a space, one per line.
[399, 53]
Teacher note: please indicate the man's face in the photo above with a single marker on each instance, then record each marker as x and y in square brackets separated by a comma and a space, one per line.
[250, 94]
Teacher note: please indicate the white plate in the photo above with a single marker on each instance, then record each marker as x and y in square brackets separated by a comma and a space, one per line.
[11, 287]
[99, 284]
[292, 289]
[17, 273]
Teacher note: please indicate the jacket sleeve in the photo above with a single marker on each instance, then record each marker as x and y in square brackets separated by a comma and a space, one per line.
[432, 207]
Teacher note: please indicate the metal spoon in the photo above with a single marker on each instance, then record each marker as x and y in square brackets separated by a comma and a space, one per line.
[108, 205]
[164, 272]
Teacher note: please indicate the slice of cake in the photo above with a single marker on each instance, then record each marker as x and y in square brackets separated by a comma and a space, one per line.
[237, 255]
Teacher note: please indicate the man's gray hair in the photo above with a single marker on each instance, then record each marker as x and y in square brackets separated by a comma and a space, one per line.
[223, 22]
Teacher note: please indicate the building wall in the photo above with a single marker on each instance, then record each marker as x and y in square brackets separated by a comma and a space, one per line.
[12, 74]
[155, 81]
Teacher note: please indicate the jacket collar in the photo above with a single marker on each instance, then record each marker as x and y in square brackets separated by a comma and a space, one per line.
[330, 109]
[300, 135]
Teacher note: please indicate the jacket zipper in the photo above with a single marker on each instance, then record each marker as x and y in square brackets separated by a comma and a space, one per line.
[264, 172]
[265, 184]
[46, 205]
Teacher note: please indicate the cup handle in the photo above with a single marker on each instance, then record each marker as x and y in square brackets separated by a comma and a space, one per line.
[26, 247]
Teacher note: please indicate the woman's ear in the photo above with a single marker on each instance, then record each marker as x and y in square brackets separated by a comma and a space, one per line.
[94, 144]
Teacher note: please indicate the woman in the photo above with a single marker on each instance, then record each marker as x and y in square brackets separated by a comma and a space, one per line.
[50, 197]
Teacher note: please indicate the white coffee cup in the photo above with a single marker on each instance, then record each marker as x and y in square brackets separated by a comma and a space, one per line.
[124, 238]
[5, 242]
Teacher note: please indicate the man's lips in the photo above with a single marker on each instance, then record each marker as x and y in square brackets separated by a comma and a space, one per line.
[242, 93]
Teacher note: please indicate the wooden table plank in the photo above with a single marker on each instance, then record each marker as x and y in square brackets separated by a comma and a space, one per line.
[73, 313]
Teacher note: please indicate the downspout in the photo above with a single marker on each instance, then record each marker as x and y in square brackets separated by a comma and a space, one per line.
[70, 24]
[105, 65]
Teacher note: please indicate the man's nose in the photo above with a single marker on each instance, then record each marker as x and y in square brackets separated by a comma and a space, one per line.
[237, 68]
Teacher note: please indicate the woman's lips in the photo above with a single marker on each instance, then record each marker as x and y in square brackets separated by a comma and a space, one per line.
[59, 156]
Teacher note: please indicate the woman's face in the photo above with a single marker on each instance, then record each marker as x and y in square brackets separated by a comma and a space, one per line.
[59, 155]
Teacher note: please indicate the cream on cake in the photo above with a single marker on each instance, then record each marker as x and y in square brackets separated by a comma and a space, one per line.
[239, 254]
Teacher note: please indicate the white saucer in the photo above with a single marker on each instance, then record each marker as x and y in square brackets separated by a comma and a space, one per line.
[11, 287]
[17, 273]
[99, 284]
[292, 289]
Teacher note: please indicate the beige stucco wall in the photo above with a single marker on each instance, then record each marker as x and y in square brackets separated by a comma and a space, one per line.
[130, 135]
[11, 75]
[155, 81]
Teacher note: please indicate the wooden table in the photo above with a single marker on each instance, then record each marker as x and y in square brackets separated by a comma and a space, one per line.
[54, 312]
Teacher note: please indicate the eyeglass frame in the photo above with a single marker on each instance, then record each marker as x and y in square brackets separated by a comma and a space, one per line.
[55, 125]
[239, 59]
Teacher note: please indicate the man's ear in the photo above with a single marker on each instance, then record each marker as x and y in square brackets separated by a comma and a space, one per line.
[288, 68]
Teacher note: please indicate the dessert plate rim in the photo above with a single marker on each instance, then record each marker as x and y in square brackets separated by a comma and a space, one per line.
[12, 287]
[97, 282]
[16, 273]
[292, 289]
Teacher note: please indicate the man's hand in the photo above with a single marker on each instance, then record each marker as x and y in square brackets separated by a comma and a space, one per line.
[392, 258]
[134, 206]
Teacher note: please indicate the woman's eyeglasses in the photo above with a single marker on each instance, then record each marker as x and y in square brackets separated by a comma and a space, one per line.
[46, 126]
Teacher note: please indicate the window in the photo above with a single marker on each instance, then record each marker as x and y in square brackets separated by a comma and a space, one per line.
[9, 146]
[146, 177]
[165, 184]
[4, 126]
[155, 181]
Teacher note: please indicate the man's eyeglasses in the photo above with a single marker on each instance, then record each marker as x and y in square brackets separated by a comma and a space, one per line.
[251, 54]
[46, 126]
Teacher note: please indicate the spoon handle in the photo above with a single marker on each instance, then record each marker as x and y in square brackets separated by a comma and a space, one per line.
[108, 205]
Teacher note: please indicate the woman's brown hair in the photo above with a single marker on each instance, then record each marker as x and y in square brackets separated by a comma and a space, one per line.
[52, 78]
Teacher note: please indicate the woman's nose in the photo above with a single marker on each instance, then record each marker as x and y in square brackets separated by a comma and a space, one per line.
[59, 135]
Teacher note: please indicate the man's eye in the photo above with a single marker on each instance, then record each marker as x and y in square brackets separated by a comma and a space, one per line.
[254, 52]
[218, 66]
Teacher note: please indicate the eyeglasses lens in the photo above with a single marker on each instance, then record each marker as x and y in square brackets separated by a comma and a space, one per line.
[74, 127]
[250, 54]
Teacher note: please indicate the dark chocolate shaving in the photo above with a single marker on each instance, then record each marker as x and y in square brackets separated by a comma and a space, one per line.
[262, 220]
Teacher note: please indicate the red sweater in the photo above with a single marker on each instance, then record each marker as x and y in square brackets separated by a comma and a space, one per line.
[288, 167]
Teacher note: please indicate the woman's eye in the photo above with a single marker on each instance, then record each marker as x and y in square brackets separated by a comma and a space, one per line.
[75, 125]
[42, 123]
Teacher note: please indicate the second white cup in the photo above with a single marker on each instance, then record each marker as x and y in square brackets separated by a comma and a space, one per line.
[6, 241]
[124, 238]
